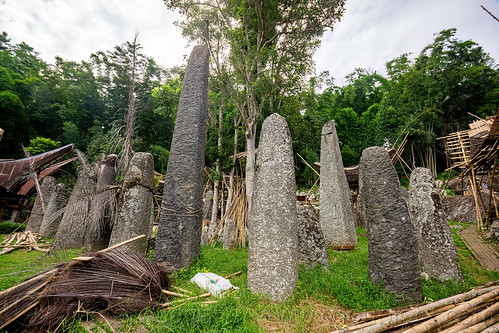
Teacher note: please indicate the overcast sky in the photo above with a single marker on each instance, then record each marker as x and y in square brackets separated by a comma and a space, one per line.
[369, 34]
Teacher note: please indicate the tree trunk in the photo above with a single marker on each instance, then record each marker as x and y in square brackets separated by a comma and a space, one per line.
[230, 195]
[250, 162]
[216, 186]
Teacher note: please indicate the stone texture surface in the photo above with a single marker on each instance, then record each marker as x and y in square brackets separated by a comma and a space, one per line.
[461, 208]
[205, 240]
[73, 227]
[336, 214]
[273, 246]
[311, 244]
[134, 210]
[492, 235]
[53, 213]
[360, 213]
[103, 206]
[36, 218]
[391, 238]
[207, 206]
[179, 229]
[437, 252]
[229, 236]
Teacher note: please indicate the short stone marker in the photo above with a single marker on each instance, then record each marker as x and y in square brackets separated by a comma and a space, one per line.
[180, 219]
[73, 227]
[134, 209]
[391, 238]
[336, 213]
[273, 246]
[207, 206]
[311, 244]
[36, 218]
[437, 252]
[53, 213]
[229, 238]
[103, 206]
[205, 240]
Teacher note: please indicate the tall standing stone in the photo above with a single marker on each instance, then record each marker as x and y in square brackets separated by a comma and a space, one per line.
[311, 244]
[73, 227]
[437, 252]
[36, 218]
[392, 243]
[180, 220]
[273, 247]
[207, 206]
[134, 209]
[53, 213]
[229, 235]
[103, 206]
[336, 213]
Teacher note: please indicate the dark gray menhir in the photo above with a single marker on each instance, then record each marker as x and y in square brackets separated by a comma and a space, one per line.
[73, 227]
[133, 217]
[229, 235]
[53, 212]
[437, 252]
[103, 206]
[392, 243]
[180, 219]
[336, 213]
[273, 226]
[311, 244]
[36, 218]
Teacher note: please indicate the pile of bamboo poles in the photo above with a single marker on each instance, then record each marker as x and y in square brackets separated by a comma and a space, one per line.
[473, 311]
[23, 240]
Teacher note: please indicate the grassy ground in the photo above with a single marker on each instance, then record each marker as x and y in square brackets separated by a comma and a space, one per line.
[323, 301]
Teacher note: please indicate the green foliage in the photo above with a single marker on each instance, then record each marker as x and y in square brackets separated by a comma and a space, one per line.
[9, 227]
[40, 145]
[161, 156]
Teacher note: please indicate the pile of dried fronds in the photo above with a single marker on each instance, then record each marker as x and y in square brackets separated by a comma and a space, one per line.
[474, 311]
[112, 283]
[25, 240]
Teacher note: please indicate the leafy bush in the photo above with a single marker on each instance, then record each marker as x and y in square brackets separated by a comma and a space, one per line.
[9, 227]
[41, 145]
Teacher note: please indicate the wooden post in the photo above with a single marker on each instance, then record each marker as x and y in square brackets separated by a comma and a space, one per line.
[474, 190]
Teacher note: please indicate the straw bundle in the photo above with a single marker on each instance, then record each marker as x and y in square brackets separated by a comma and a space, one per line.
[113, 282]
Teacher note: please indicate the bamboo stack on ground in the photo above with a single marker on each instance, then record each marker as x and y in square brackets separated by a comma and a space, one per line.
[472, 311]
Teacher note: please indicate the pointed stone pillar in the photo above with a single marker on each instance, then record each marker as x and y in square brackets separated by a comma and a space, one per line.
[393, 252]
[36, 218]
[437, 252]
[273, 226]
[336, 213]
[180, 219]
[134, 209]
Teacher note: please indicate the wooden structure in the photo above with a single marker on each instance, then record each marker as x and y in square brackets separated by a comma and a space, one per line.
[18, 178]
[475, 152]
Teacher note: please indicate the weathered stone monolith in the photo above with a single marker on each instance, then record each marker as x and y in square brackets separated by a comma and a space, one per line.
[103, 206]
[179, 229]
[437, 252]
[205, 240]
[135, 204]
[229, 237]
[393, 252]
[73, 227]
[311, 244]
[336, 214]
[36, 218]
[273, 226]
[53, 213]
[207, 206]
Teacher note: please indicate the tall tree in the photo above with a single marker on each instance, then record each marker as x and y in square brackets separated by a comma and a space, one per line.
[260, 50]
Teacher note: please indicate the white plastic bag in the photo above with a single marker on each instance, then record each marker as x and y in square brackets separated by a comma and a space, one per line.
[213, 283]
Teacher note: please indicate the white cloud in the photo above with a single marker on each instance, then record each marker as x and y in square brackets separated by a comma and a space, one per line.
[370, 33]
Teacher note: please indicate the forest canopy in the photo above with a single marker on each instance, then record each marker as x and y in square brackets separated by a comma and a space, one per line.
[421, 97]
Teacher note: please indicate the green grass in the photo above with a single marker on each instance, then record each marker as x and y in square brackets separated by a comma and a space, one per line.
[322, 301]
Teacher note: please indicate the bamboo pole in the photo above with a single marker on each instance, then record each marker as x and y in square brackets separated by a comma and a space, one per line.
[167, 304]
[233, 274]
[171, 293]
[8, 322]
[474, 319]
[482, 325]
[395, 320]
[474, 190]
[492, 329]
[448, 315]
[182, 290]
